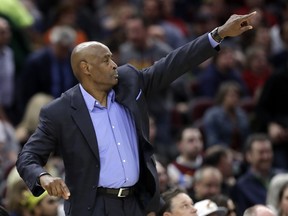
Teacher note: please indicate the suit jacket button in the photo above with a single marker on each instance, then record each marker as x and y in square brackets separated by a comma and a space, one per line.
[89, 208]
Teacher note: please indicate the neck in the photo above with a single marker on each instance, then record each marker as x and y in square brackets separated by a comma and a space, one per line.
[99, 95]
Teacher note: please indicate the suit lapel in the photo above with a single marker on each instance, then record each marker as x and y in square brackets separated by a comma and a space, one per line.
[81, 116]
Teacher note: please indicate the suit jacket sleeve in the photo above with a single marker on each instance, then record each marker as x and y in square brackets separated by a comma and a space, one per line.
[184, 59]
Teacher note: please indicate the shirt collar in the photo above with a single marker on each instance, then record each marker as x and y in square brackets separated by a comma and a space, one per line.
[90, 100]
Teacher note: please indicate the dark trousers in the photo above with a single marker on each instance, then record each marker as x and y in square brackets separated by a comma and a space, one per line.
[107, 205]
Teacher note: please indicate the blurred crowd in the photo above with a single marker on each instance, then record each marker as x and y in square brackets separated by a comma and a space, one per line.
[220, 132]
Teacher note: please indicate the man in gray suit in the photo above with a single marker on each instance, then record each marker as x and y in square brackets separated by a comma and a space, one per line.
[100, 126]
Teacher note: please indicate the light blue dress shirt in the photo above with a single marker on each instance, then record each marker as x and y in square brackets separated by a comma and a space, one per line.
[117, 141]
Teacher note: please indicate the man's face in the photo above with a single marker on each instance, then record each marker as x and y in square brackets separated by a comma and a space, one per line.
[209, 185]
[226, 165]
[48, 206]
[102, 68]
[5, 32]
[136, 33]
[284, 202]
[261, 155]
[182, 205]
[191, 143]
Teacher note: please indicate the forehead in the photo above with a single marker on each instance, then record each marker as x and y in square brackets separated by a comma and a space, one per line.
[4, 24]
[191, 132]
[261, 144]
[180, 198]
[101, 51]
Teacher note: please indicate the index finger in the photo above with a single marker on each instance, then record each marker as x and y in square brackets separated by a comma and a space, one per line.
[247, 16]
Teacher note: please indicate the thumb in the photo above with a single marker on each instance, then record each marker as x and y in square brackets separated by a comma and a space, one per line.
[246, 28]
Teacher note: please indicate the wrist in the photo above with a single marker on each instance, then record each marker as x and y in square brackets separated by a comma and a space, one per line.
[217, 34]
[221, 32]
[40, 175]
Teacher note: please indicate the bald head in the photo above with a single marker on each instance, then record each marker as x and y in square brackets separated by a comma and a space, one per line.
[259, 210]
[84, 52]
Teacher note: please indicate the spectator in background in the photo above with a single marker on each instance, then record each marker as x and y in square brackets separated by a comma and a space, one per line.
[223, 68]
[9, 149]
[226, 123]
[276, 184]
[30, 120]
[21, 23]
[112, 18]
[251, 187]
[139, 50]
[7, 65]
[207, 207]
[279, 59]
[207, 183]
[48, 70]
[221, 157]
[169, 16]
[256, 71]
[183, 168]
[177, 203]
[42, 205]
[164, 180]
[276, 41]
[153, 15]
[13, 195]
[65, 14]
[258, 210]
[225, 201]
[282, 198]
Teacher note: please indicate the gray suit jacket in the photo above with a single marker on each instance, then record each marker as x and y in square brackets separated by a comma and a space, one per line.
[65, 124]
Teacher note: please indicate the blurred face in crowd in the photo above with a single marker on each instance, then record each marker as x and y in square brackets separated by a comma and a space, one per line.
[209, 185]
[136, 32]
[191, 144]
[261, 210]
[47, 207]
[151, 10]
[226, 59]
[283, 205]
[262, 37]
[231, 98]
[226, 165]
[260, 156]
[5, 32]
[285, 32]
[258, 61]
[162, 176]
[181, 205]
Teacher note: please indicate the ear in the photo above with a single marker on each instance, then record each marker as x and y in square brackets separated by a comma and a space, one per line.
[167, 214]
[248, 156]
[84, 67]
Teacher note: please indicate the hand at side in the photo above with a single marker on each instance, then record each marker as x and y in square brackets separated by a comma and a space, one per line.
[55, 186]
